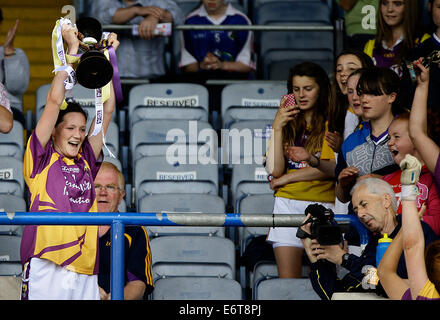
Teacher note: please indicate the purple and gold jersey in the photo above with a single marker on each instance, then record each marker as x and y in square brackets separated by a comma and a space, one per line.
[59, 184]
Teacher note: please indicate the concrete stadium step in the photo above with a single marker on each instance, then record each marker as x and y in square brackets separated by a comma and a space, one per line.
[33, 13]
[33, 3]
[40, 27]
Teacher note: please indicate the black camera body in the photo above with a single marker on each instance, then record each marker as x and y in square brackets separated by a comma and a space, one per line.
[323, 226]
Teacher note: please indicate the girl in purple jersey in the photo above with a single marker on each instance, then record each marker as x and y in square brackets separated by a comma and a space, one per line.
[59, 167]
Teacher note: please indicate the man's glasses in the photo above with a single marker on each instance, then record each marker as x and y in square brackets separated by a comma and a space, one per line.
[108, 187]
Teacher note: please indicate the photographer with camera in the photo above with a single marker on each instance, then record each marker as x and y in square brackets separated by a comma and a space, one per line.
[375, 205]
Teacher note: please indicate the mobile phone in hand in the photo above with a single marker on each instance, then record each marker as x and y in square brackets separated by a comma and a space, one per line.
[290, 100]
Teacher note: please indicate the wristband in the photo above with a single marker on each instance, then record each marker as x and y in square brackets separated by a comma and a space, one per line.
[409, 192]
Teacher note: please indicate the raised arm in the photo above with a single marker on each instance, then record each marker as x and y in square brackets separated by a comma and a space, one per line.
[412, 232]
[55, 97]
[427, 148]
[275, 160]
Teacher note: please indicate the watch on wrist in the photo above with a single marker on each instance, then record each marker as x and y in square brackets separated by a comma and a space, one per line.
[345, 257]
[318, 162]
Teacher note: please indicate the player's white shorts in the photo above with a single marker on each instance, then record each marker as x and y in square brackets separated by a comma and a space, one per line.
[286, 236]
[45, 280]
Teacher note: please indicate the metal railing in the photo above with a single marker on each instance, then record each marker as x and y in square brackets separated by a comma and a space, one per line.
[117, 221]
[238, 27]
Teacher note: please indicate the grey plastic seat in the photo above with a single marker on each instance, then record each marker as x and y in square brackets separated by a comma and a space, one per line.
[154, 175]
[10, 248]
[112, 139]
[10, 203]
[177, 101]
[10, 269]
[11, 176]
[183, 203]
[190, 5]
[303, 13]
[247, 142]
[157, 137]
[299, 40]
[248, 179]
[192, 269]
[263, 270]
[115, 161]
[254, 204]
[84, 96]
[40, 99]
[196, 288]
[277, 63]
[251, 101]
[12, 143]
[190, 248]
[285, 289]
[189, 255]
[292, 11]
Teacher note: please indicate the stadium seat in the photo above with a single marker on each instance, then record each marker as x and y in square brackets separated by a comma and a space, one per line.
[10, 203]
[281, 50]
[190, 5]
[154, 175]
[269, 12]
[252, 204]
[10, 248]
[196, 288]
[112, 139]
[11, 176]
[179, 203]
[190, 249]
[277, 63]
[263, 270]
[10, 268]
[12, 143]
[246, 142]
[302, 13]
[285, 289]
[154, 137]
[251, 101]
[192, 269]
[84, 96]
[179, 101]
[115, 161]
[247, 180]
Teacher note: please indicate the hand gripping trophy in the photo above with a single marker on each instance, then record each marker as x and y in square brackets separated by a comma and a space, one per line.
[433, 57]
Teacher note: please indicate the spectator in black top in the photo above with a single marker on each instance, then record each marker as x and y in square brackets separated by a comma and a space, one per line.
[109, 187]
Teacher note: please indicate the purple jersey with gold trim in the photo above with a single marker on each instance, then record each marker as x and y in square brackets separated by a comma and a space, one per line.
[60, 184]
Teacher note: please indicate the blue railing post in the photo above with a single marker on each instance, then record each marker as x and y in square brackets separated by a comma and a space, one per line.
[117, 263]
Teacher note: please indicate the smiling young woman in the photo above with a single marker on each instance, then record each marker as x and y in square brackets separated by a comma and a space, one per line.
[59, 166]
[298, 183]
